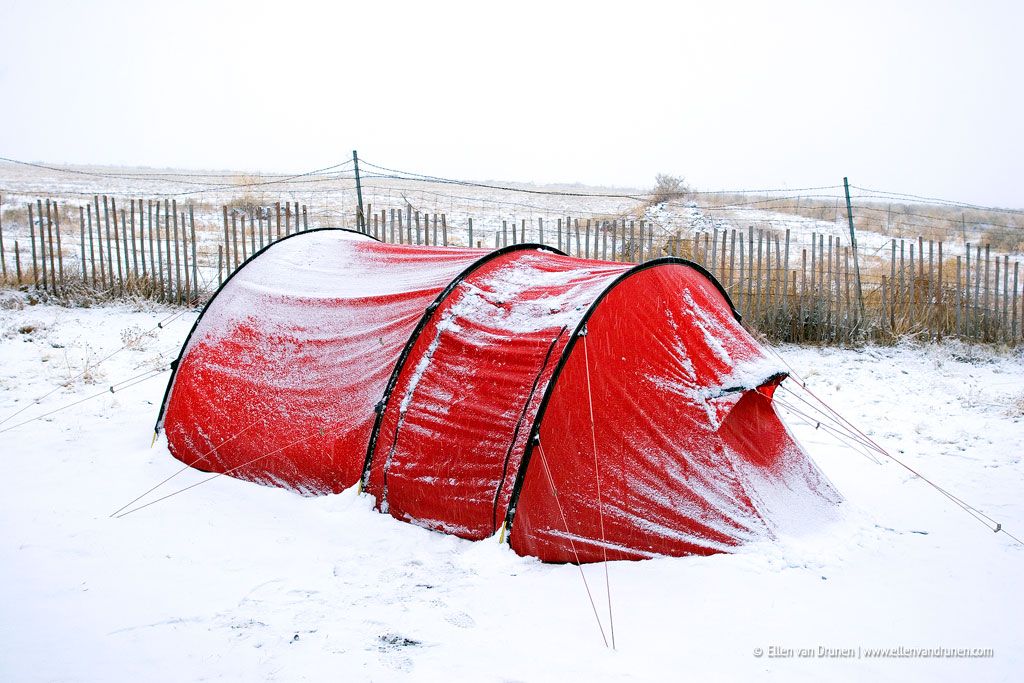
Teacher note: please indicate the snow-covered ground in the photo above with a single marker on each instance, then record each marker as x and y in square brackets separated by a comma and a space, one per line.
[234, 581]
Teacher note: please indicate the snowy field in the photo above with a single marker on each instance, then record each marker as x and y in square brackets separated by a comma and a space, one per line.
[233, 581]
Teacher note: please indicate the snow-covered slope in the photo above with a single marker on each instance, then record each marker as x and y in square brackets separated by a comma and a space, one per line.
[253, 583]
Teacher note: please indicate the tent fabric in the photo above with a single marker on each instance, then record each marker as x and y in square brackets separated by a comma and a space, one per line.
[457, 385]
[692, 458]
[301, 341]
[457, 424]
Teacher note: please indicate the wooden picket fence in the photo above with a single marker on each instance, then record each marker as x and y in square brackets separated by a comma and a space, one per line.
[785, 287]
[809, 292]
[148, 248]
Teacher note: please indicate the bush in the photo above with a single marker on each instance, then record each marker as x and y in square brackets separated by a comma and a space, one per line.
[667, 188]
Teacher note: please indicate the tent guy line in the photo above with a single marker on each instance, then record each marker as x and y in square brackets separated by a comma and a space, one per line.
[111, 389]
[819, 418]
[568, 534]
[185, 467]
[321, 432]
[862, 438]
[597, 479]
[841, 436]
[161, 324]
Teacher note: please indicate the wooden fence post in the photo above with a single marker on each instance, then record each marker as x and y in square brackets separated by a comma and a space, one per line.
[785, 276]
[158, 270]
[32, 235]
[50, 248]
[60, 248]
[802, 322]
[732, 258]
[171, 260]
[92, 252]
[1013, 325]
[245, 247]
[81, 231]
[853, 314]
[758, 304]
[99, 241]
[149, 234]
[177, 255]
[252, 234]
[986, 316]
[127, 261]
[112, 243]
[234, 237]
[957, 329]
[714, 255]
[124, 238]
[135, 252]
[741, 284]
[642, 255]
[1007, 335]
[885, 300]
[977, 290]
[186, 297]
[46, 242]
[195, 261]
[634, 253]
[42, 242]
[142, 239]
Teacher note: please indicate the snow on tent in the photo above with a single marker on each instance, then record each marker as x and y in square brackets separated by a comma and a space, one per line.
[585, 407]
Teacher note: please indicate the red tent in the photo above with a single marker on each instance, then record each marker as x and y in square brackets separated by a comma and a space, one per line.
[587, 407]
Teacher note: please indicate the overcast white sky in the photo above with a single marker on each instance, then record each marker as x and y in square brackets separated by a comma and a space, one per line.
[918, 97]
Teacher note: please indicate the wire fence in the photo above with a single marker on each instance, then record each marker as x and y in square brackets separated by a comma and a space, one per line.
[947, 269]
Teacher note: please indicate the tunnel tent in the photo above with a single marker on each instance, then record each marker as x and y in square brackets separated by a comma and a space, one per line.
[473, 392]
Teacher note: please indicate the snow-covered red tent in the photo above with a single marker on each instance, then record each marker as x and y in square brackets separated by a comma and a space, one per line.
[586, 407]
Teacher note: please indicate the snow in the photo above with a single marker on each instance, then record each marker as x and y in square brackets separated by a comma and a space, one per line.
[234, 581]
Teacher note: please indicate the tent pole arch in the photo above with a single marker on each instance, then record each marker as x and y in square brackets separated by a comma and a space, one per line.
[177, 361]
[564, 358]
[425, 319]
